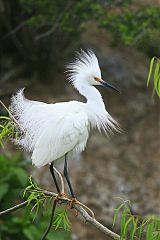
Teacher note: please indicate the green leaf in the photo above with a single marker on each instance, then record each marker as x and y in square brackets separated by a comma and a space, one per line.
[116, 213]
[59, 235]
[26, 189]
[130, 219]
[4, 117]
[149, 232]
[32, 233]
[62, 220]
[32, 196]
[21, 175]
[156, 77]
[150, 70]
[141, 228]
[133, 228]
[123, 221]
[4, 187]
[158, 87]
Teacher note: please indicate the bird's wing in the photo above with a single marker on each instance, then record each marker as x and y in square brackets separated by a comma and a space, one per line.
[60, 137]
[34, 117]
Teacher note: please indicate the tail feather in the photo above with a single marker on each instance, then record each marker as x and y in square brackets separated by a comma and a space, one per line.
[30, 116]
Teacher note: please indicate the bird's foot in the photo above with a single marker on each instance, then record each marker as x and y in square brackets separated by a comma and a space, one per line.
[61, 195]
[75, 201]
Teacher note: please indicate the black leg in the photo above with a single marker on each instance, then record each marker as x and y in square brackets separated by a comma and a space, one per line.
[54, 177]
[67, 177]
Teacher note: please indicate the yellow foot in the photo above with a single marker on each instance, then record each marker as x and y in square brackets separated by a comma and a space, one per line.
[75, 201]
[62, 194]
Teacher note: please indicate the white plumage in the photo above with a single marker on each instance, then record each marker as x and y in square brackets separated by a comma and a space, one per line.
[52, 130]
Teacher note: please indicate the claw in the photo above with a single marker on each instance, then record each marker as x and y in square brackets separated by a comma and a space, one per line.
[62, 194]
[75, 201]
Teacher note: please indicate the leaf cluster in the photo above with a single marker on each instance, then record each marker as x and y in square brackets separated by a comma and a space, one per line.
[138, 28]
[13, 178]
[7, 129]
[19, 225]
[42, 13]
[135, 227]
[41, 201]
[45, 27]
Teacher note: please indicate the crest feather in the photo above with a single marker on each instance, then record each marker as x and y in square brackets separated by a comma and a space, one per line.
[85, 63]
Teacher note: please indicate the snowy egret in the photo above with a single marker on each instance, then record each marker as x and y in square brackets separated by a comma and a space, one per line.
[55, 131]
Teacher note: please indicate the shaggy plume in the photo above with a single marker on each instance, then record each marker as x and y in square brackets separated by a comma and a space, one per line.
[85, 64]
[30, 115]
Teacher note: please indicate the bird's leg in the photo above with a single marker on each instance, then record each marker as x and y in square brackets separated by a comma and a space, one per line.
[74, 200]
[51, 168]
[68, 180]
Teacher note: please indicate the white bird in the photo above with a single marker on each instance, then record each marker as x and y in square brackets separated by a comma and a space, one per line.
[54, 131]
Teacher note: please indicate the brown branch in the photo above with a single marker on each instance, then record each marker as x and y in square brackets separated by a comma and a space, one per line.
[79, 209]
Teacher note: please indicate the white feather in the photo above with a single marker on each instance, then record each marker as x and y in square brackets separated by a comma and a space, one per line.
[52, 130]
[84, 68]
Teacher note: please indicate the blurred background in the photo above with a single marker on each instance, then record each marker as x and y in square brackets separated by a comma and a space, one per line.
[37, 39]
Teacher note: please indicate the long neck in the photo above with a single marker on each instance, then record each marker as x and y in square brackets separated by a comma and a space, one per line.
[93, 96]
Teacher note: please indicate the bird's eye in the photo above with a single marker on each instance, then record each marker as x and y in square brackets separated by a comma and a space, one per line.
[95, 78]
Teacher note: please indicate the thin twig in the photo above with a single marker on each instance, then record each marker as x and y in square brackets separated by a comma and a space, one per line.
[13, 31]
[11, 116]
[12, 209]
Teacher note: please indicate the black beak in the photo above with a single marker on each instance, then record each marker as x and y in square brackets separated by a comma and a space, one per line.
[107, 85]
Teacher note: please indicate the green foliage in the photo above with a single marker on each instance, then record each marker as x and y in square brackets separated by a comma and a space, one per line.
[7, 129]
[138, 28]
[62, 220]
[68, 15]
[30, 222]
[41, 201]
[38, 31]
[154, 73]
[13, 179]
[135, 227]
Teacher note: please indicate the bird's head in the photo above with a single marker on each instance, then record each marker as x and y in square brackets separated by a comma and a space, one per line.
[85, 71]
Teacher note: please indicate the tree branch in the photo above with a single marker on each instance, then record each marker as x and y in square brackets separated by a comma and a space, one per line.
[79, 209]
[12, 209]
